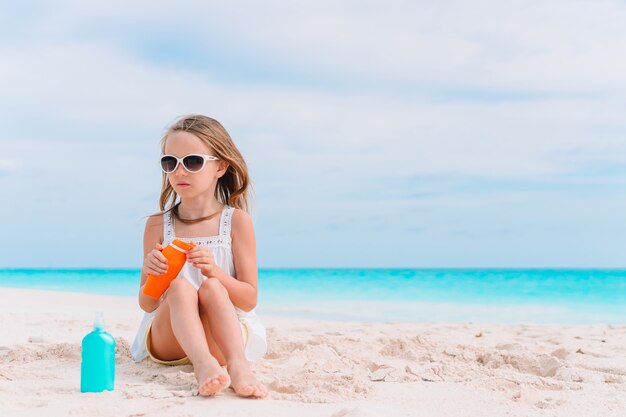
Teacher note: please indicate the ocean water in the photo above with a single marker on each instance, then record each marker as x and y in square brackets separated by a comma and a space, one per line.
[421, 295]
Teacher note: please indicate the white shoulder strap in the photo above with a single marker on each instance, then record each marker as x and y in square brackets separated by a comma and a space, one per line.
[168, 227]
[225, 219]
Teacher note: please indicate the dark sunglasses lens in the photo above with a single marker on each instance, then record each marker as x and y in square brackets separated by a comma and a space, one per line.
[168, 163]
[193, 162]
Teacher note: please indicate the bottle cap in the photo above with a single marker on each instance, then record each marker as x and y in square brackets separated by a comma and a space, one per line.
[98, 323]
[181, 246]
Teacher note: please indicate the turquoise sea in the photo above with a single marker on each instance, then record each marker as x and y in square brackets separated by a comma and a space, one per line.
[419, 295]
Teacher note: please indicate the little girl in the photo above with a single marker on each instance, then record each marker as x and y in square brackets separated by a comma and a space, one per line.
[206, 317]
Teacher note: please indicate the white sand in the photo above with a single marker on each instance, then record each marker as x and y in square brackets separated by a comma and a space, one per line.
[317, 368]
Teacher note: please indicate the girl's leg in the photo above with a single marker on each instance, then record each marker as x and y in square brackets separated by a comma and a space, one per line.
[177, 331]
[223, 332]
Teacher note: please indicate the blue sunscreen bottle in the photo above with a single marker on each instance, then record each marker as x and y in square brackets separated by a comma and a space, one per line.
[97, 369]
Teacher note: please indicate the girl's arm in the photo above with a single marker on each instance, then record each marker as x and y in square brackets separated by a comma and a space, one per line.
[151, 236]
[243, 289]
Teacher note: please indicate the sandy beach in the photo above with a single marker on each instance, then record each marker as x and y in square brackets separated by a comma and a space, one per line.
[317, 368]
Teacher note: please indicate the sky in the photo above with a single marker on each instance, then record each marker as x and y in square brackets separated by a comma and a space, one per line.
[396, 134]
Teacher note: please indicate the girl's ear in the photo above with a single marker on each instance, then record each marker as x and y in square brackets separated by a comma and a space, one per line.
[222, 167]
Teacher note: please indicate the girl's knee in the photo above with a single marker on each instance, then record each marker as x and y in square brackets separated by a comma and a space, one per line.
[212, 287]
[179, 286]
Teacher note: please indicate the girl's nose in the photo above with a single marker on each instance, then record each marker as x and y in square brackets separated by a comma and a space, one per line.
[180, 170]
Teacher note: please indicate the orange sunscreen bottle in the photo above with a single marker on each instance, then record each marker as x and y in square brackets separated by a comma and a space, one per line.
[176, 258]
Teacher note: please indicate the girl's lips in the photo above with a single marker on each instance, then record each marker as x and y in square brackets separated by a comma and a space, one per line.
[182, 184]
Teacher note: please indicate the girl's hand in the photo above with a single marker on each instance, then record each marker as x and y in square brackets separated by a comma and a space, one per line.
[155, 262]
[202, 258]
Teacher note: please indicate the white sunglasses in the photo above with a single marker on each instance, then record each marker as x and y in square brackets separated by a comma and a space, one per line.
[192, 163]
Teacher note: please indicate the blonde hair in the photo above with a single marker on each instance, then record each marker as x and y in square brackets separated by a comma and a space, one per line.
[233, 187]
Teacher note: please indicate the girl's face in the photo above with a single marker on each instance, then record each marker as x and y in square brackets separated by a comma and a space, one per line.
[190, 184]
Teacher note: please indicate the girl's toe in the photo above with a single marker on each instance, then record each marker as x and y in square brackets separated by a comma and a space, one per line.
[246, 391]
[259, 392]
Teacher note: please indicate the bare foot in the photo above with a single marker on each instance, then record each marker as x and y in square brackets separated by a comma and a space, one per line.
[244, 382]
[211, 379]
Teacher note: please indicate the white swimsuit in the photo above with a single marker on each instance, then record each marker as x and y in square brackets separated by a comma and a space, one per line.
[221, 247]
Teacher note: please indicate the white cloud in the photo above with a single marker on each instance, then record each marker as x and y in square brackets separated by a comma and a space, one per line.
[516, 46]
[521, 45]
[10, 164]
